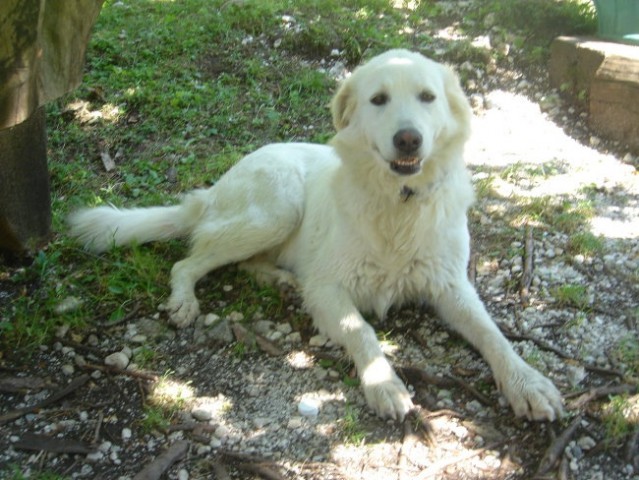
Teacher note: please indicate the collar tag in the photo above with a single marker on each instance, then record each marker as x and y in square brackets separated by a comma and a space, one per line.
[405, 193]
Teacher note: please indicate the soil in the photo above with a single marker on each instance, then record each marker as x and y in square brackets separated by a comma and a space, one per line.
[240, 396]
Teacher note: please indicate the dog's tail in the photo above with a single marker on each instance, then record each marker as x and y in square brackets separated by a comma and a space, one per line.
[102, 227]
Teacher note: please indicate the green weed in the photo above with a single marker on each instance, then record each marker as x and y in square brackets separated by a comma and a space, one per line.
[618, 419]
[626, 352]
[585, 243]
[571, 295]
[352, 430]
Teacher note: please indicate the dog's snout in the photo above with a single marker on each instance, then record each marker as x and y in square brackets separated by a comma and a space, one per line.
[407, 140]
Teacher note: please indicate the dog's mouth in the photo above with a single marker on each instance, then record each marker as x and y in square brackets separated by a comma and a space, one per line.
[406, 165]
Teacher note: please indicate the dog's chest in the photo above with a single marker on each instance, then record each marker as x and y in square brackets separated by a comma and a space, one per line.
[378, 279]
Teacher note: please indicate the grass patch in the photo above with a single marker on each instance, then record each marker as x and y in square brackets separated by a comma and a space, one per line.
[353, 432]
[585, 243]
[570, 295]
[626, 352]
[552, 213]
[619, 418]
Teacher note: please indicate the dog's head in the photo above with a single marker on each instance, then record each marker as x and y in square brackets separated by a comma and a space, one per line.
[403, 109]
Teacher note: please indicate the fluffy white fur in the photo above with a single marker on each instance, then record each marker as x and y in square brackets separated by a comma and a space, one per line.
[355, 232]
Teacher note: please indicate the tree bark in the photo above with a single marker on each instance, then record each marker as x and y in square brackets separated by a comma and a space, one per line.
[25, 206]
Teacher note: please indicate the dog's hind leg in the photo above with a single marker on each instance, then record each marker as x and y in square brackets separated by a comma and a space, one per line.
[220, 242]
[266, 273]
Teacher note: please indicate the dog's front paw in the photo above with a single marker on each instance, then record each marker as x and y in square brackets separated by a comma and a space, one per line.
[385, 392]
[182, 311]
[532, 395]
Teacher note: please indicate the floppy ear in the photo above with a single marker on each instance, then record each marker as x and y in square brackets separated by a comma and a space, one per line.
[457, 101]
[343, 105]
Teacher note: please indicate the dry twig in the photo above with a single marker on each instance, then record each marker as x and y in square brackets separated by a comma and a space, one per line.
[157, 468]
[556, 449]
[527, 274]
[45, 443]
[444, 382]
[54, 397]
[243, 335]
[150, 376]
[600, 392]
[435, 470]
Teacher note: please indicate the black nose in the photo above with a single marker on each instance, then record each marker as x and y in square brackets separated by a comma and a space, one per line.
[407, 140]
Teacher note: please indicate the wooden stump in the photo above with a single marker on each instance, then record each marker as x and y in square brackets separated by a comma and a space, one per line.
[25, 205]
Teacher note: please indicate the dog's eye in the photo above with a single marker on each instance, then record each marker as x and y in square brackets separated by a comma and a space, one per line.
[426, 97]
[380, 99]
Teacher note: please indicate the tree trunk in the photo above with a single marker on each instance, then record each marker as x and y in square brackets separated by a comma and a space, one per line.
[25, 206]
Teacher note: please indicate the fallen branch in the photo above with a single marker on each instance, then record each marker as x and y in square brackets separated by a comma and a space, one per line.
[436, 469]
[22, 384]
[520, 337]
[600, 392]
[220, 471]
[527, 274]
[263, 471]
[446, 381]
[54, 397]
[254, 464]
[45, 443]
[632, 449]
[472, 268]
[556, 449]
[243, 335]
[150, 376]
[157, 468]
[408, 443]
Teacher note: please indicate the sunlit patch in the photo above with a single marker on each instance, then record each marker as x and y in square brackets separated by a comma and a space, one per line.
[83, 112]
[300, 360]
[170, 393]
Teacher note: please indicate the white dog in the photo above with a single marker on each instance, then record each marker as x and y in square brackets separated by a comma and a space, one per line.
[376, 219]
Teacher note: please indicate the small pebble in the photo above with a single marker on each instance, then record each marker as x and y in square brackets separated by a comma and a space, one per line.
[202, 414]
[117, 359]
[126, 434]
[210, 319]
[308, 407]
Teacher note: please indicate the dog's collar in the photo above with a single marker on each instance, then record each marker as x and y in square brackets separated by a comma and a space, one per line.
[406, 193]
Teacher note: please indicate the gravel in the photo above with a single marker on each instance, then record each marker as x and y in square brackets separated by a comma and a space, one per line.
[297, 411]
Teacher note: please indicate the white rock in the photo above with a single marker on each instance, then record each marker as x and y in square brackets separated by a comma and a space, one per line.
[261, 422]
[202, 414]
[117, 359]
[126, 434]
[586, 442]
[317, 341]
[127, 351]
[235, 316]
[67, 305]
[294, 337]
[211, 319]
[294, 423]
[308, 407]
[183, 474]
[221, 432]
[284, 328]
[94, 456]
[67, 369]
